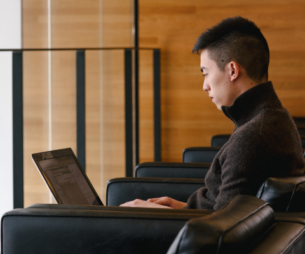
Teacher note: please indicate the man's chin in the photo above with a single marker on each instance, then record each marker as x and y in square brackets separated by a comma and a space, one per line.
[218, 107]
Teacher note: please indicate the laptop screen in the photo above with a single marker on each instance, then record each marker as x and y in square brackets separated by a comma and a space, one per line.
[66, 179]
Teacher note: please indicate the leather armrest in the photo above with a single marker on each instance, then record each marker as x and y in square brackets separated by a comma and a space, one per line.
[284, 194]
[172, 170]
[232, 229]
[121, 190]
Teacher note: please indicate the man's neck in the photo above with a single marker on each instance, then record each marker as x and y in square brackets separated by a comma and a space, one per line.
[244, 83]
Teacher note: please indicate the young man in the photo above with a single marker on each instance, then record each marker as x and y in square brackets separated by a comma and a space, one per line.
[234, 59]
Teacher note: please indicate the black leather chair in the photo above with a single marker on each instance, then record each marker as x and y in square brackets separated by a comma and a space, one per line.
[220, 140]
[284, 194]
[299, 120]
[60, 229]
[301, 129]
[230, 230]
[172, 170]
[196, 163]
[245, 225]
[199, 154]
[121, 190]
[303, 141]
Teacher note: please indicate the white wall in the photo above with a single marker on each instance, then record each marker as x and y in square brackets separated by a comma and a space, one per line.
[10, 37]
[10, 24]
[6, 133]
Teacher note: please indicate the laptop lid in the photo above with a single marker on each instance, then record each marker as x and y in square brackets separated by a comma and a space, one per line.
[65, 177]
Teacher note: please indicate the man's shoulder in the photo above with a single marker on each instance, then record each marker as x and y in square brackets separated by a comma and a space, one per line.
[277, 122]
[270, 120]
[270, 125]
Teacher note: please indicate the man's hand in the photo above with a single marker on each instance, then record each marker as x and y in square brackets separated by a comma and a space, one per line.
[142, 203]
[166, 201]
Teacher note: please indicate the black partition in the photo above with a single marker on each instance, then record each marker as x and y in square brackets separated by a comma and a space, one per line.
[80, 105]
[17, 130]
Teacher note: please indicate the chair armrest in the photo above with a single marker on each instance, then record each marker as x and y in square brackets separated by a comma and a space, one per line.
[172, 170]
[91, 229]
[284, 194]
[234, 228]
[121, 190]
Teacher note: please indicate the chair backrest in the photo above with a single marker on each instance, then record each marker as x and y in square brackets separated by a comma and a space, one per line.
[220, 140]
[124, 189]
[301, 129]
[284, 194]
[199, 154]
[303, 141]
[172, 170]
[299, 120]
[235, 228]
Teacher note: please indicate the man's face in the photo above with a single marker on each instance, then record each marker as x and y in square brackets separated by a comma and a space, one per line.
[216, 82]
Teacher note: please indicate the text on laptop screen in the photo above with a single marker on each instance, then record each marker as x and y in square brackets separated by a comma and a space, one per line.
[68, 181]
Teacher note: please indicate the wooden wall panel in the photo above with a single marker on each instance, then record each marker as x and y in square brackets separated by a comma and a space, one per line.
[64, 100]
[34, 24]
[117, 23]
[188, 116]
[79, 24]
[113, 116]
[75, 23]
[116, 31]
[146, 106]
[105, 117]
[36, 123]
[94, 122]
[35, 97]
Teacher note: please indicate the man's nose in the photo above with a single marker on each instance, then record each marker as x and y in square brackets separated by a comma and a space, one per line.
[205, 86]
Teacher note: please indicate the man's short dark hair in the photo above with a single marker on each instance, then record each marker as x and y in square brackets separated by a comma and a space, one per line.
[237, 39]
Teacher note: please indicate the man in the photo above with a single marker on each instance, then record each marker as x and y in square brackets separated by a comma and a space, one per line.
[234, 60]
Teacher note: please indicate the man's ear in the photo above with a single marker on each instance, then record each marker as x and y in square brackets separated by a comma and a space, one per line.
[234, 70]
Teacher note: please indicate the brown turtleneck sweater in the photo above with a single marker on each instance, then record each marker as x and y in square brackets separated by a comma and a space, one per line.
[265, 143]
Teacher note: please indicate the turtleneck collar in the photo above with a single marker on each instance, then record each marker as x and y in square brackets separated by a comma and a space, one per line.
[250, 103]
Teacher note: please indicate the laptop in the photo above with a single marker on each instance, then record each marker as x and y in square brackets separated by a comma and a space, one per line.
[65, 177]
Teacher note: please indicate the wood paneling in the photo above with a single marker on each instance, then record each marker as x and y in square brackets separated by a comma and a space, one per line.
[94, 121]
[64, 100]
[117, 23]
[34, 24]
[146, 106]
[76, 23]
[36, 123]
[188, 116]
[113, 116]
